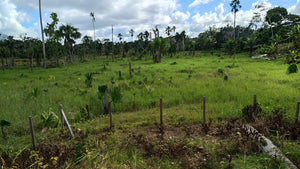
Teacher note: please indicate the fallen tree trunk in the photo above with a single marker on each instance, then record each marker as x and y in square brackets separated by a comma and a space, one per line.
[268, 147]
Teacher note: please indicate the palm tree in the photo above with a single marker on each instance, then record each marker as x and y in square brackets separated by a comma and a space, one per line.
[131, 33]
[183, 35]
[69, 33]
[146, 35]
[174, 29]
[159, 45]
[93, 20]
[168, 30]
[140, 36]
[156, 31]
[235, 6]
[120, 36]
[42, 30]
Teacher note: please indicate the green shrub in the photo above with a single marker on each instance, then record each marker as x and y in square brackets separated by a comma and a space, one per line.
[89, 79]
[221, 71]
[293, 68]
[115, 94]
[101, 91]
[49, 119]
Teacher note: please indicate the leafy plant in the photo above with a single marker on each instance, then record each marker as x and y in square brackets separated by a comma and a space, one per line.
[293, 68]
[230, 47]
[115, 94]
[89, 80]
[291, 58]
[101, 91]
[4, 123]
[250, 112]
[49, 119]
[83, 114]
[34, 93]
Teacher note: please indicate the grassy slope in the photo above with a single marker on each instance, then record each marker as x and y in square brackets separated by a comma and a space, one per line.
[180, 81]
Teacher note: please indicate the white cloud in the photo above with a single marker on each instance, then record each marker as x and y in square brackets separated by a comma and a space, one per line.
[11, 19]
[203, 22]
[180, 17]
[124, 15]
[199, 2]
[295, 9]
[219, 18]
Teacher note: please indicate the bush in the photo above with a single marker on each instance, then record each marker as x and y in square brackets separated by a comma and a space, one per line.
[50, 119]
[89, 79]
[293, 68]
[250, 112]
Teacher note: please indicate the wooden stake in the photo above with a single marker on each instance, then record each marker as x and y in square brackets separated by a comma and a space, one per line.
[161, 112]
[105, 103]
[61, 116]
[297, 112]
[204, 113]
[120, 74]
[32, 132]
[66, 120]
[110, 115]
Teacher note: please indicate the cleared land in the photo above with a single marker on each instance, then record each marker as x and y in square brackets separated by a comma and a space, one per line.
[137, 140]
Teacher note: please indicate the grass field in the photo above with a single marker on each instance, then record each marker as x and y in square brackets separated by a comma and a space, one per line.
[228, 83]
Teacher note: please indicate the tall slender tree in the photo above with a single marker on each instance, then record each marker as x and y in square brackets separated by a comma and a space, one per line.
[42, 31]
[131, 34]
[52, 33]
[235, 6]
[93, 21]
[168, 30]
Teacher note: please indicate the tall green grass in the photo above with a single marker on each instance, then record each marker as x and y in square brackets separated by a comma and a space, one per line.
[181, 80]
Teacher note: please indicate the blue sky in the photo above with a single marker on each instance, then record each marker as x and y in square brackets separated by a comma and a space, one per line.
[18, 17]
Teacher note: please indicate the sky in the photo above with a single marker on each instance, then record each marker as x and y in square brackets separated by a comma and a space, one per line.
[21, 17]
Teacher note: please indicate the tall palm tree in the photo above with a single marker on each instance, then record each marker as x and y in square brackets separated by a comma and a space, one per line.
[70, 34]
[168, 30]
[93, 20]
[174, 29]
[183, 35]
[120, 36]
[43, 39]
[235, 6]
[146, 35]
[131, 33]
[140, 36]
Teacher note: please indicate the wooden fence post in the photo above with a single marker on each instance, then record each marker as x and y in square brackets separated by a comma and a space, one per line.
[61, 116]
[161, 112]
[110, 115]
[297, 112]
[204, 113]
[66, 120]
[105, 103]
[32, 132]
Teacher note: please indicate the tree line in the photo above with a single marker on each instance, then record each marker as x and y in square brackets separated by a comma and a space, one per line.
[262, 34]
